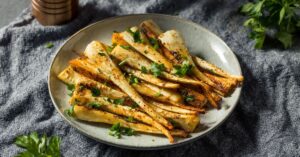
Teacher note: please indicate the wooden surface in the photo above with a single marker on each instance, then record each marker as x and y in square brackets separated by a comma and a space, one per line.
[54, 12]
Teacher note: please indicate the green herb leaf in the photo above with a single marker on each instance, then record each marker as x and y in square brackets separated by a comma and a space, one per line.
[157, 69]
[134, 105]
[71, 88]
[189, 98]
[109, 48]
[119, 101]
[117, 131]
[126, 47]
[130, 119]
[144, 70]
[158, 94]
[281, 15]
[133, 79]
[95, 91]
[49, 45]
[285, 38]
[265, 16]
[136, 36]
[35, 146]
[247, 7]
[174, 123]
[70, 111]
[154, 43]
[183, 69]
[94, 105]
[259, 39]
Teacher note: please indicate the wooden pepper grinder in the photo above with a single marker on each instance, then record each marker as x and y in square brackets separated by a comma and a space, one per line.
[54, 12]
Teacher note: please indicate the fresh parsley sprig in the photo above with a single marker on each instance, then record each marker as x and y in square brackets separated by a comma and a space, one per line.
[71, 88]
[38, 146]
[154, 43]
[117, 131]
[133, 79]
[157, 69]
[136, 36]
[278, 16]
[183, 69]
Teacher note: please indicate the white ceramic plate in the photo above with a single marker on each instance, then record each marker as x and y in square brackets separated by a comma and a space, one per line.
[200, 42]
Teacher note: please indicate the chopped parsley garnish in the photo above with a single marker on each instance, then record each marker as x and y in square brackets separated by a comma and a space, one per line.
[49, 45]
[186, 96]
[134, 105]
[71, 88]
[123, 62]
[189, 98]
[183, 69]
[95, 91]
[94, 105]
[69, 111]
[174, 123]
[126, 47]
[130, 119]
[119, 101]
[38, 146]
[154, 43]
[144, 70]
[133, 79]
[109, 48]
[117, 131]
[157, 69]
[158, 94]
[136, 36]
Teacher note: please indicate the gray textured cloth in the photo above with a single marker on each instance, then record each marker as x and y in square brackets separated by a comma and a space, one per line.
[266, 121]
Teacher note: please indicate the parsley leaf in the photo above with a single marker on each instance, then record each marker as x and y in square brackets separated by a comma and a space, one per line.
[136, 36]
[130, 119]
[133, 79]
[280, 17]
[38, 146]
[158, 94]
[134, 105]
[49, 45]
[109, 48]
[117, 131]
[157, 69]
[70, 112]
[95, 91]
[183, 69]
[144, 70]
[119, 101]
[174, 123]
[71, 88]
[189, 98]
[285, 38]
[154, 43]
[126, 47]
[94, 105]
